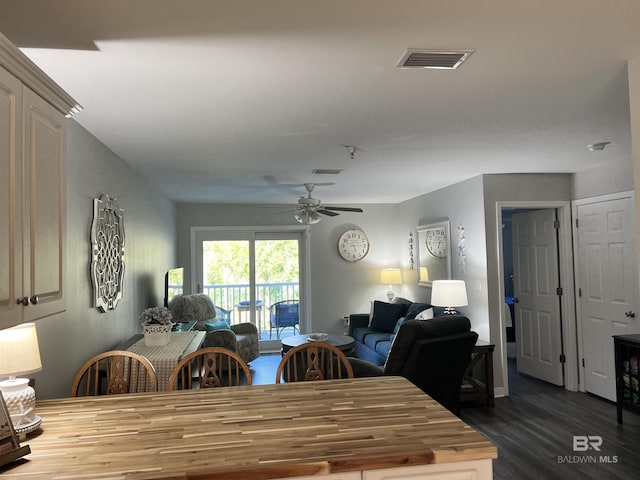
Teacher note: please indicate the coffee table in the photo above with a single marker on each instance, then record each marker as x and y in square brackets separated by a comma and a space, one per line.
[343, 342]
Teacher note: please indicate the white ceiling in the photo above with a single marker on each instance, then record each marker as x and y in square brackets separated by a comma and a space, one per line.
[225, 101]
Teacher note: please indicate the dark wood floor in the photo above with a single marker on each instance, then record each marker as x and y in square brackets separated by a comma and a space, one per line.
[534, 428]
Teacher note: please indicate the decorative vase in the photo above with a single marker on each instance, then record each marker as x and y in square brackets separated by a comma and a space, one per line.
[157, 335]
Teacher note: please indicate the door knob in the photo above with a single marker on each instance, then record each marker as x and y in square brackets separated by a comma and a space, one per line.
[34, 299]
[23, 301]
[630, 314]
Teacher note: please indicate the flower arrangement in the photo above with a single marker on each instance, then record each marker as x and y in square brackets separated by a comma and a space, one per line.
[155, 316]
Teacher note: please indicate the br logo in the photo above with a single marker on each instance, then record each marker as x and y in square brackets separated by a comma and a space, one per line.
[583, 443]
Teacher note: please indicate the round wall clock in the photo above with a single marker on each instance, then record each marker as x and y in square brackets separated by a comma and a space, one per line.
[436, 242]
[353, 245]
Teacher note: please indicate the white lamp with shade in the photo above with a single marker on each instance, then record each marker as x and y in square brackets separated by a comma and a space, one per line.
[390, 276]
[449, 294]
[20, 355]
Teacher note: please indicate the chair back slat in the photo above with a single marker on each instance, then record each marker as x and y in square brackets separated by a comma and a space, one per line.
[313, 361]
[209, 368]
[115, 372]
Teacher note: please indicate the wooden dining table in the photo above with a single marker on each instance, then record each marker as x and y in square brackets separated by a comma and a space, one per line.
[373, 428]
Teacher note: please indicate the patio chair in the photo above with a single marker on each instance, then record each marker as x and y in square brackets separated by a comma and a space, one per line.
[113, 372]
[209, 367]
[283, 314]
[313, 361]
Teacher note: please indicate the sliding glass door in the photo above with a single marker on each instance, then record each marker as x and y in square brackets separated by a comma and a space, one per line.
[256, 276]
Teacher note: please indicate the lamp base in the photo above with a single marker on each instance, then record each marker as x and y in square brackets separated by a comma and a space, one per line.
[20, 399]
[450, 311]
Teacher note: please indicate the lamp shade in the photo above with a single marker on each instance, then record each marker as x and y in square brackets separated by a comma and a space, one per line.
[390, 276]
[19, 351]
[449, 293]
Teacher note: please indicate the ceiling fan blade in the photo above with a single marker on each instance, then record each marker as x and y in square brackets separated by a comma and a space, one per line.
[344, 209]
[329, 213]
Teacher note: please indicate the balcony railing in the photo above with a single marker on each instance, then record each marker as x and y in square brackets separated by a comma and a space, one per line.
[233, 297]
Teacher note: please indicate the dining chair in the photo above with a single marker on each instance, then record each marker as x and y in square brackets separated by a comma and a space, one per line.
[209, 367]
[313, 361]
[115, 372]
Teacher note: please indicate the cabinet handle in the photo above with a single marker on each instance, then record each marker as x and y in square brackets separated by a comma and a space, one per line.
[34, 299]
[23, 301]
[630, 314]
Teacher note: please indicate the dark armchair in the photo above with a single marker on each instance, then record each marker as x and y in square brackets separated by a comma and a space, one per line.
[284, 314]
[432, 354]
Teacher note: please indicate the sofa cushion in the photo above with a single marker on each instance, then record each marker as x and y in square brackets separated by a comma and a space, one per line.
[385, 315]
[383, 347]
[372, 339]
[360, 333]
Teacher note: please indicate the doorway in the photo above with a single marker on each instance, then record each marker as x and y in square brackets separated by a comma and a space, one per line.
[564, 335]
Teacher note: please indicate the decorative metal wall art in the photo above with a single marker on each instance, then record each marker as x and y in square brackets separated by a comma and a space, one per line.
[107, 252]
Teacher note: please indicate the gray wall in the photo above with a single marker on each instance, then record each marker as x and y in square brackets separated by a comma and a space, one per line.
[611, 178]
[462, 204]
[68, 339]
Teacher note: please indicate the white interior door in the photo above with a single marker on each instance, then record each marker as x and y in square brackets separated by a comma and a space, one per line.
[607, 286]
[537, 303]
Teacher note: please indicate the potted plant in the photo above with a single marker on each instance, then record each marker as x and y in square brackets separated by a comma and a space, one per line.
[156, 324]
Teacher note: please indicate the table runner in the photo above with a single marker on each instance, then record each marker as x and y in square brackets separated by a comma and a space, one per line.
[164, 358]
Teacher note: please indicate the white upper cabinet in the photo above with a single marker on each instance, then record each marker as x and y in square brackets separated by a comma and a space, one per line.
[32, 190]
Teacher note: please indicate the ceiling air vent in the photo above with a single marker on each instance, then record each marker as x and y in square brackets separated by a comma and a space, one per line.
[326, 171]
[440, 59]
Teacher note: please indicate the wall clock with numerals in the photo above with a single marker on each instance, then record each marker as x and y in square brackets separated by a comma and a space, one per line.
[353, 245]
[436, 242]
[433, 247]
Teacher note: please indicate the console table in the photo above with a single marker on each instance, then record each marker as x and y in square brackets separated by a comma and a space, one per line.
[165, 358]
[472, 387]
[330, 430]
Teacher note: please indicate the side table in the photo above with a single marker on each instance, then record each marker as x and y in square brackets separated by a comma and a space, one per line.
[472, 387]
[343, 342]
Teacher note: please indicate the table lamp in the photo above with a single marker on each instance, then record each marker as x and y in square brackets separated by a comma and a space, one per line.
[19, 355]
[449, 294]
[390, 276]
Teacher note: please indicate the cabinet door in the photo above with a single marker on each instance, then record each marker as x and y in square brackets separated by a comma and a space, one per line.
[10, 205]
[44, 207]
[469, 470]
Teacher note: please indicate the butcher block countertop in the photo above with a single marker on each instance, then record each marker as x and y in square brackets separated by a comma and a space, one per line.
[249, 432]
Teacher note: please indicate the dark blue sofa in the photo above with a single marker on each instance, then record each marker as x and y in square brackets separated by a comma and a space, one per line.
[374, 333]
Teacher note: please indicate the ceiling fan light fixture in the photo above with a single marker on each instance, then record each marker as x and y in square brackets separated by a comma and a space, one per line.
[307, 217]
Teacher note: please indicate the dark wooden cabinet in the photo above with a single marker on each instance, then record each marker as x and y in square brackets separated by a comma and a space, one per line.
[627, 354]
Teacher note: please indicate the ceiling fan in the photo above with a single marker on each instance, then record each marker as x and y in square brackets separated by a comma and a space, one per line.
[309, 209]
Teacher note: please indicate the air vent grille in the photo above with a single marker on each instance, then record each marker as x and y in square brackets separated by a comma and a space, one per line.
[327, 171]
[439, 59]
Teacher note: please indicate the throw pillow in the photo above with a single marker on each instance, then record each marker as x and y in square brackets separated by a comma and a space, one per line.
[415, 309]
[217, 325]
[385, 316]
[425, 314]
[398, 325]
